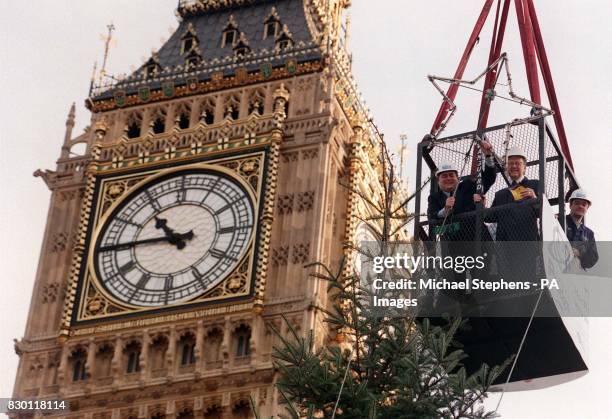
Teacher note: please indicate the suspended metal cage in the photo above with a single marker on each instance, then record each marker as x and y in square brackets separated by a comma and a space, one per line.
[545, 161]
[549, 353]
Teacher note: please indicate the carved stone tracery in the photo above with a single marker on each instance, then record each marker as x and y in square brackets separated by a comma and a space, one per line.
[50, 292]
[300, 253]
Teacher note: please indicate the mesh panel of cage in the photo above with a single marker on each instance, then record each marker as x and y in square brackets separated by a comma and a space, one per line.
[552, 349]
[558, 179]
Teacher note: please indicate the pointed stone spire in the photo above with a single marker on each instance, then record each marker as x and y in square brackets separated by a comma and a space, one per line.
[70, 123]
[69, 127]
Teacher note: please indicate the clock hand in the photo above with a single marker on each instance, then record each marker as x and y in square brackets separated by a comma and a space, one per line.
[134, 243]
[176, 239]
[162, 223]
[179, 239]
[185, 236]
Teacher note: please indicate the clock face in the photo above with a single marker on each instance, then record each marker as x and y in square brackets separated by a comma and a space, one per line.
[175, 238]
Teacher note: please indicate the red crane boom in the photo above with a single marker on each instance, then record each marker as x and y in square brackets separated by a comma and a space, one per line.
[534, 53]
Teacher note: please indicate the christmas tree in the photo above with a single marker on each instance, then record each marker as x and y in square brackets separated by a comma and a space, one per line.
[382, 365]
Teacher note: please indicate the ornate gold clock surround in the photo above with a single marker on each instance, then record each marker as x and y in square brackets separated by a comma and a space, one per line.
[93, 304]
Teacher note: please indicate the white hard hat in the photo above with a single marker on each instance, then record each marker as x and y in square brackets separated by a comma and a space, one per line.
[446, 167]
[516, 151]
[580, 194]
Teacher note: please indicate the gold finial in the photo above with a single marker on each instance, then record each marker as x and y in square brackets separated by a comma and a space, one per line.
[107, 44]
[402, 152]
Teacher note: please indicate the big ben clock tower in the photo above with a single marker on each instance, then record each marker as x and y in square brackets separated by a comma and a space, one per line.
[211, 176]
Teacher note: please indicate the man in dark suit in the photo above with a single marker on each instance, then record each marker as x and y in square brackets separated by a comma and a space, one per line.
[516, 222]
[449, 218]
[456, 197]
[516, 212]
[580, 236]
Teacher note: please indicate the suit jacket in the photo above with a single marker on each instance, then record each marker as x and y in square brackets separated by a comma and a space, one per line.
[464, 202]
[519, 221]
[583, 239]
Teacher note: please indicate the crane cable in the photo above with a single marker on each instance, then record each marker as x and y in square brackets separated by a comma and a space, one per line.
[518, 353]
[348, 364]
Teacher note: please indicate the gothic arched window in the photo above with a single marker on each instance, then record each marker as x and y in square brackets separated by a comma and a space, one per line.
[272, 24]
[232, 108]
[187, 348]
[159, 124]
[284, 40]
[132, 353]
[189, 40]
[282, 44]
[193, 59]
[230, 33]
[241, 49]
[242, 338]
[256, 103]
[183, 120]
[134, 124]
[152, 67]
[78, 358]
[207, 116]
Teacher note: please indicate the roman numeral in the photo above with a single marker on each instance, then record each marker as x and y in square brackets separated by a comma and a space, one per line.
[229, 205]
[127, 267]
[168, 283]
[226, 230]
[197, 275]
[142, 282]
[212, 188]
[219, 254]
[152, 200]
[113, 279]
[167, 287]
[222, 209]
[181, 194]
[128, 222]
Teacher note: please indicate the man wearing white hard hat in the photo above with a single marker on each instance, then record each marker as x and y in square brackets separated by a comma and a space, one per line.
[448, 214]
[518, 222]
[580, 236]
[455, 197]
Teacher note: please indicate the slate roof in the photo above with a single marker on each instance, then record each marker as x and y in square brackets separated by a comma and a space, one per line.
[209, 28]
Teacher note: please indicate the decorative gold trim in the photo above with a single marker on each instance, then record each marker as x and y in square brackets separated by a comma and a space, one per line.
[352, 207]
[185, 146]
[160, 319]
[212, 85]
[94, 301]
[79, 246]
[281, 96]
[99, 223]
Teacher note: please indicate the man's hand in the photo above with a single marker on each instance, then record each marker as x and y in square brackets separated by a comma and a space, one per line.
[528, 193]
[479, 198]
[450, 202]
[486, 147]
[576, 252]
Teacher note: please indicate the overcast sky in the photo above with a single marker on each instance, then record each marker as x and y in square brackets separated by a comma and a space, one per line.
[47, 52]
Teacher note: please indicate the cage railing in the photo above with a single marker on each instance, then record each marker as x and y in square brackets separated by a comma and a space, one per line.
[545, 161]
